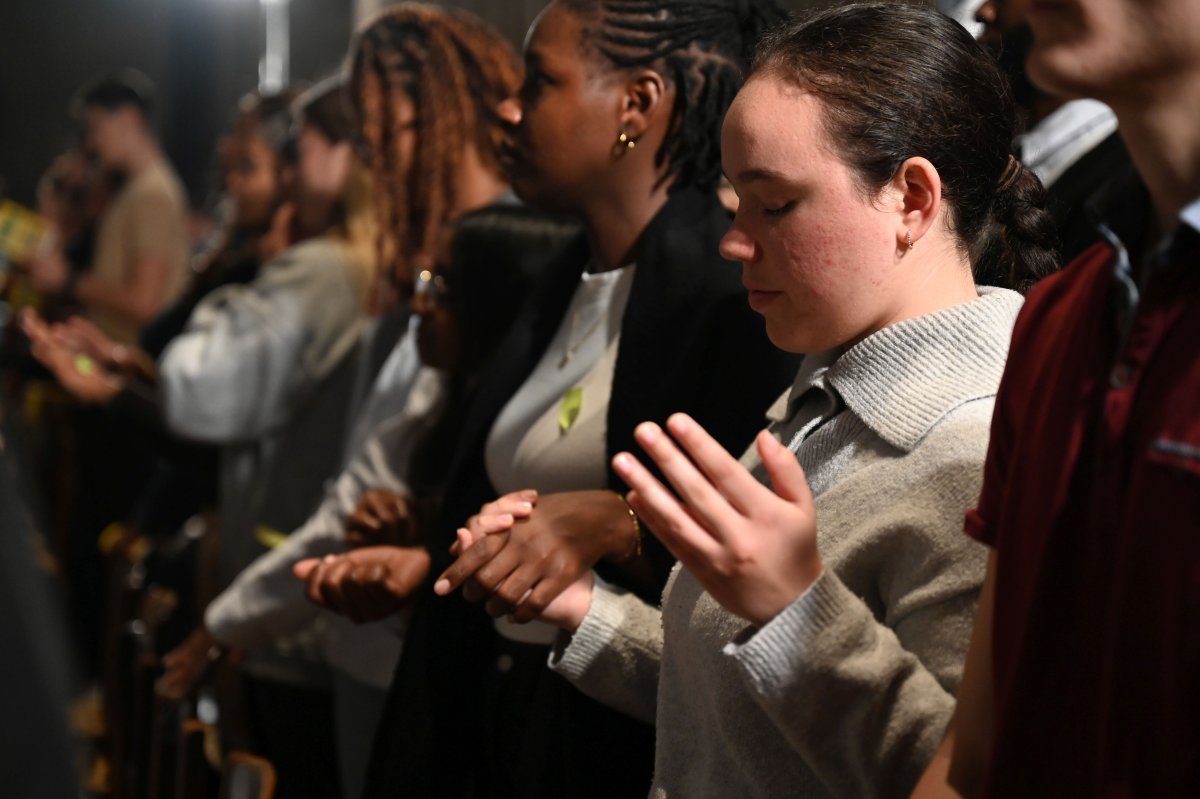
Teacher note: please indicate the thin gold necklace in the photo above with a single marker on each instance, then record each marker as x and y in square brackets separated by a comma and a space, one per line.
[571, 348]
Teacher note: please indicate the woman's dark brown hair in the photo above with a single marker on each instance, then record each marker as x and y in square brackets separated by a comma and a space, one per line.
[900, 80]
[455, 70]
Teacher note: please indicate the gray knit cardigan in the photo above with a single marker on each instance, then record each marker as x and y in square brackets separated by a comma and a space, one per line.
[848, 690]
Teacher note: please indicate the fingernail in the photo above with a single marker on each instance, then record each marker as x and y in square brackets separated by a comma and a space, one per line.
[622, 463]
[678, 424]
[441, 587]
[526, 506]
[647, 432]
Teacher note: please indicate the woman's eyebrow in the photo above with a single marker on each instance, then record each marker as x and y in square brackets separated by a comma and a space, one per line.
[759, 174]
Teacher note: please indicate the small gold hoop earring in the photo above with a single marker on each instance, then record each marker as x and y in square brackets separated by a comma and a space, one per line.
[908, 238]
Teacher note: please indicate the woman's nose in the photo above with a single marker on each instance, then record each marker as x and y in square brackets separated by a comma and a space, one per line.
[510, 111]
[736, 245]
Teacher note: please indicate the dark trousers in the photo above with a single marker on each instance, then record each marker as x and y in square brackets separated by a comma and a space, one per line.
[294, 729]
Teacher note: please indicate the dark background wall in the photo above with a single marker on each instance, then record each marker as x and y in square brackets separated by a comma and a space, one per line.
[202, 55]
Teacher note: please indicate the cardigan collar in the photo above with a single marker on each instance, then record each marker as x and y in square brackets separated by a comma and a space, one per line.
[903, 379]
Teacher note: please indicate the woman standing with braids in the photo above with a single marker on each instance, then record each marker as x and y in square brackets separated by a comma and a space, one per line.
[616, 123]
[425, 82]
[811, 641]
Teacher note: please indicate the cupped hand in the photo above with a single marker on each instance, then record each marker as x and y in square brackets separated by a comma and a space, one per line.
[383, 518]
[187, 664]
[83, 336]
[79, 374]
[365, 584]
[522, 570]
[752, 548]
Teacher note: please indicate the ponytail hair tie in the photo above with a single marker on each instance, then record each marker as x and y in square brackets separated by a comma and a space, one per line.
[1011, 174]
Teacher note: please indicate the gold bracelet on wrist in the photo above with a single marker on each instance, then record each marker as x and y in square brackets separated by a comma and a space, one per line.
[637, 528]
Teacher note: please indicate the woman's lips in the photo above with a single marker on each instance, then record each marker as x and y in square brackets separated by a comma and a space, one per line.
[761, 300]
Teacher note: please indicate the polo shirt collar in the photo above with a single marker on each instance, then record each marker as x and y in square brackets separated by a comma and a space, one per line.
[902, 380]
[1190, 215]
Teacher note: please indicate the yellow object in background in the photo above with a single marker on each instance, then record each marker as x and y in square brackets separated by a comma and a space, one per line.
[21, 232]
[269, 537]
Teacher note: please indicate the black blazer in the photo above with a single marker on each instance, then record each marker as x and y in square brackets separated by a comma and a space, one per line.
[689, 342]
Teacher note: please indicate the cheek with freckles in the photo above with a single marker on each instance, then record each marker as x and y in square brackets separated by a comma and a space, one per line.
[833, 282]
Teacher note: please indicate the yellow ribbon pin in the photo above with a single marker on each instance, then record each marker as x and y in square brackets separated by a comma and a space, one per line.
[568, 409]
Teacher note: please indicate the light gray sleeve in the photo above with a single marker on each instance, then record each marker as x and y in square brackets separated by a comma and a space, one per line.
[865, 699]
[249, 353]
[266, 600]
[615, 655]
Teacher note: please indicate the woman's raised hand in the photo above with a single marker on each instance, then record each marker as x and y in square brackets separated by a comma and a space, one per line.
[753, 549]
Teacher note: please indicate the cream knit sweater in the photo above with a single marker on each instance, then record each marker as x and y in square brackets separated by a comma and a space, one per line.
[848, 690]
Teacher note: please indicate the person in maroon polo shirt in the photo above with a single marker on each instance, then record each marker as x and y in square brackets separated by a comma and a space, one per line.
[1083, 676]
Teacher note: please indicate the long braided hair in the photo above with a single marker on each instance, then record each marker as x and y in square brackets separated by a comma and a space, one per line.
[455, 70]
[703, 47]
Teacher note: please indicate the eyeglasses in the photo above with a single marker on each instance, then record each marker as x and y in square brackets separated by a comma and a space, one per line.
[430, 287]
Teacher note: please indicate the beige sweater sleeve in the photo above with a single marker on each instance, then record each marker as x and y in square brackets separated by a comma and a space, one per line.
[861, 682]
[615, 655]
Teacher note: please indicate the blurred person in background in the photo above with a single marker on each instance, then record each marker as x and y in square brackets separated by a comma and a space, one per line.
[140, 260]
[119, 381]
[266, 372]
[37, 756]
[137, 267]
[432, 150]
[1083, 675]
[1071, 144]
[390, 489]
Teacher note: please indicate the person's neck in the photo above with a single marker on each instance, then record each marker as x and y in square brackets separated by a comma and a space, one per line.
[615, 222]
[477, 186]
[947, 281]
[934, 277]
[142, 152]
[313, 217]
[1043, 106]
[1160, 131]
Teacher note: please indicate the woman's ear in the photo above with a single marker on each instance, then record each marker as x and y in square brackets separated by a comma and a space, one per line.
[644, 103]
[918, 188]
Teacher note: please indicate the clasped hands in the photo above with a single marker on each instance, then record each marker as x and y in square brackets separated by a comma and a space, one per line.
[752, 548]
[375, 579]
[382, 570]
